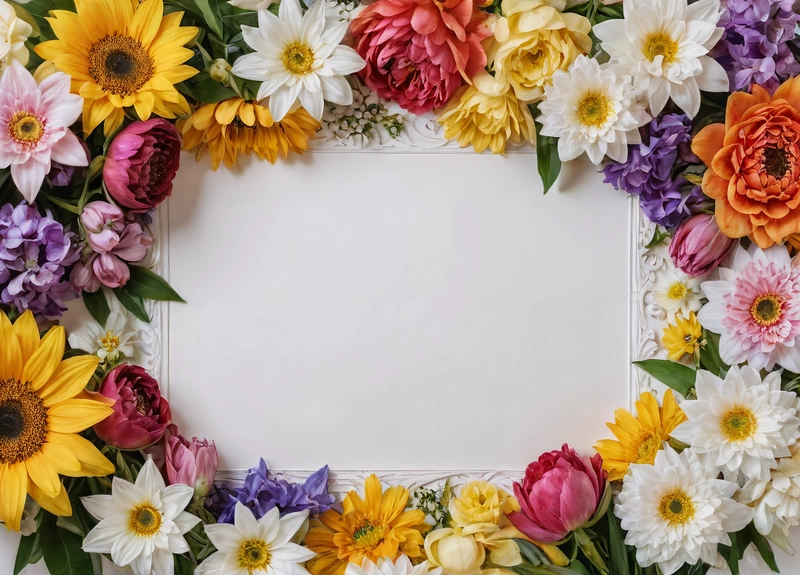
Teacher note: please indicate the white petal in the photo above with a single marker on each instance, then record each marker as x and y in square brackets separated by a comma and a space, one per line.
[175, 499]
[69, 152]
[313, 103]
[292, 553]
[269, 527]
[714, 78]
[226, 538]
[336, 89]
[289, 525]
[292, 15]
[282, 100]
[245, 521]
[100, 506]
[149, 479]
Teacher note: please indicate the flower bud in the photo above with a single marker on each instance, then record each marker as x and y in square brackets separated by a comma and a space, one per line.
[454, 552]
[190, 463]
[220, 71]
[699, 246]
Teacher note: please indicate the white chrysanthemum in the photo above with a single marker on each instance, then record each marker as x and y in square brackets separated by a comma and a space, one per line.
[676, 511]
[385, 566]
[13, 34]
[675, 292]
[142, 524]
[251, 546]
[121, 337]
[663, 45]
[298, 58]
[743, 423]
[591, 109]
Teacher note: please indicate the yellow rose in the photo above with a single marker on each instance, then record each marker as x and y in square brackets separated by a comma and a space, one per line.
[481, 502]
[487, 114]
[456, 553]
[533, 40]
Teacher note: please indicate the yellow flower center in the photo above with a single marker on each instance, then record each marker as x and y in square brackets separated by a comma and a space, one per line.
[738, 424]
[120, 65]
[677, 291]
[25, 128]
[647, 449]
[110, 342]
[368, 536]
[254, 555]
[767, 309]
[23, 421]
[676, 508]
[145, 520]
[594, 109]
[660, 44]
[298, 59]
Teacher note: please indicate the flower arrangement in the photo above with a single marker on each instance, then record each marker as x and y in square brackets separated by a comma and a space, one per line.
[690, 106]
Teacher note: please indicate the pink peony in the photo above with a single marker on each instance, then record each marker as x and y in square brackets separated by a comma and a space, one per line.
[560, 493]
[699, 246]
[192, 463]
[418, 52]
[35, 130]
[141, 164]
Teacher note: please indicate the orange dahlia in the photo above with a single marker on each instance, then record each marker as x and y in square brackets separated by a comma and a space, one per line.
[754, 164]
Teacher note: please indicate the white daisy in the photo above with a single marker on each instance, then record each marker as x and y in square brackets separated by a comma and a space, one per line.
[676, 511]
[142, 524]
[743, 423]
[298, 58]
[385, 566]
[121, 337]
[249, 547]
[675, 292]
[663, 45]
[591, 109]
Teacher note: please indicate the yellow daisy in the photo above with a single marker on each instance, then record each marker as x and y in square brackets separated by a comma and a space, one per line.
[641, 437]
[43, 406]
[121, 53]
[370, 528]
[234, 127]
[683, 338]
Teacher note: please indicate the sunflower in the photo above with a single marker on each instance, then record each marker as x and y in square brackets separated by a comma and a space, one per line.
[641, 437]
[43, 406]
[377, 526]
[121, 53]
[234, 127]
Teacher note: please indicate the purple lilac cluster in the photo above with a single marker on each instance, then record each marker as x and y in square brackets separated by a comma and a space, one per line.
[755, 47]
[34, 253]
[650, 168]
[261, 494]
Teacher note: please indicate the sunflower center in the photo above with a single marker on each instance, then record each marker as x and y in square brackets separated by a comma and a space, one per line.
[738, 424]
[594, 109]
[677, 291]
[368, 536]
[25, 128]
[648, 447]
[767, 309]
[660, 44]
[23, 421]
[775, 162]
[298, 59]
[676, 508]
[254, 555]
[110, 342]
[145, 520]
[120, 64]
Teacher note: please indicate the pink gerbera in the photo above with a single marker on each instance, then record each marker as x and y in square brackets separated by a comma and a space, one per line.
[755, 307]
[36, 119]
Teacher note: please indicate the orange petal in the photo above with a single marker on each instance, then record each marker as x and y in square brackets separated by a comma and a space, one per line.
[740, 102]
[789, 91]
[708, 142]
[732, 223]
[714, 186]
[761, 238]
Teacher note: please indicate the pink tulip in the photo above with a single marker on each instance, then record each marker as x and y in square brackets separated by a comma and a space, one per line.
[699, 246]
[190, 463]
[560, 493]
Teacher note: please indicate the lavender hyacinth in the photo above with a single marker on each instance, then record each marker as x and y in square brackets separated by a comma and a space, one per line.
[34, 252]
[261, 494]
[755, 47]
[648, 172]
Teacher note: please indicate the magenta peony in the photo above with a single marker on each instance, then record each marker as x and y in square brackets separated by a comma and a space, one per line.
[418, 52]
[699, 246]
[141, 164]
[560, 493]
[192, 463]
[140, 415]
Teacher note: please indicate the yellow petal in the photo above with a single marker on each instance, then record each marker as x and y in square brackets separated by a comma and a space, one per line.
[45, 360]
[393, 502]
[69, 378]
[75, 415]
[58, 505]
[144, 105]
[93, 463]
[43, 474]
[10, 354]
[13, 484]
[113, 121]
[146, 21]
[372, 495]
[27, 332]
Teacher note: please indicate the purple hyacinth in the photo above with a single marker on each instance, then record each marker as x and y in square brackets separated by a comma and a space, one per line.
[650, 168]
[34, 252]
[755, 48]
[261, 494]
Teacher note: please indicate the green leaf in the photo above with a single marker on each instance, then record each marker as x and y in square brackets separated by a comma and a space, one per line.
[132, 303]
[547, 158]
[97, 305]
[209, 15]
[658, 238]
[764, 548]
[148, 285]
[62, 551]
[531, 552]
[579, 567]
[29, 552]
[675, 375]
[209, 91]
[618, 555]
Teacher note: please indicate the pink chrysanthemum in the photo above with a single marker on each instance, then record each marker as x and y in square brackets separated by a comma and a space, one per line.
[34, 127]
[755, 307]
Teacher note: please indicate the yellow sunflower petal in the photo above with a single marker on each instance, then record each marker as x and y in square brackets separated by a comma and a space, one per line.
[27, 332]
[93, 463]
[59, 505]
[95, 112]
[10, 354]
[372, 496]
[144, 105]
[146, 21]
[44, 362]
[113, 122]
[75, 415]
[13, 489]
[69, 378]
[43, 473]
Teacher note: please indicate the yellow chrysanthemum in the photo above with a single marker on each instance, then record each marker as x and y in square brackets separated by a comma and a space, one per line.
[370, 528]
[234, 127]
[683, 338]
[43, 406]
[641, 437]
[121, 53]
